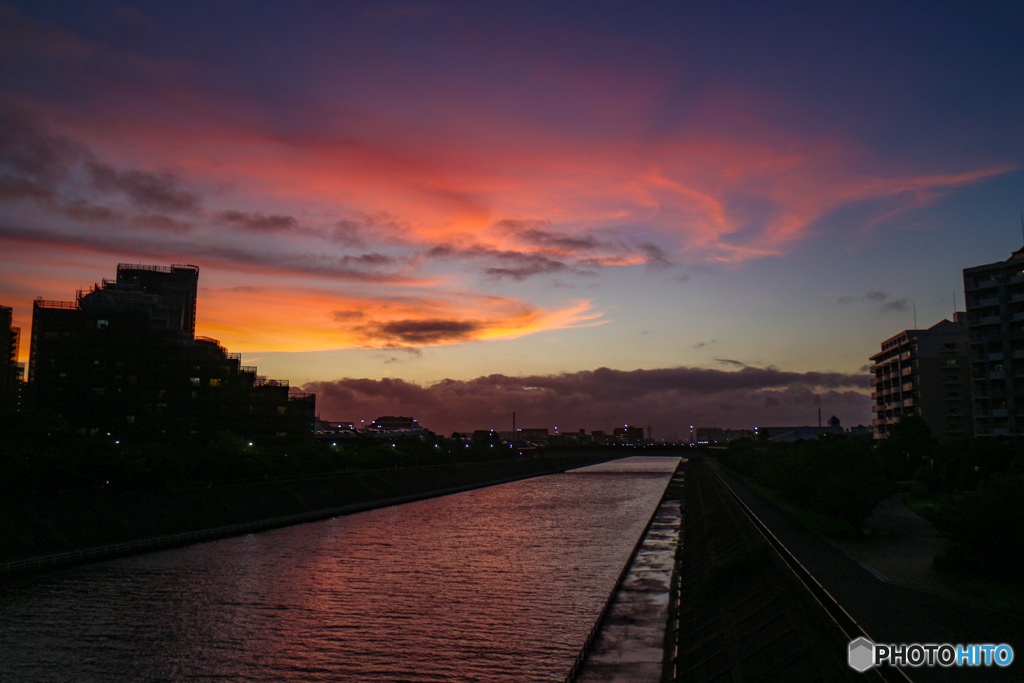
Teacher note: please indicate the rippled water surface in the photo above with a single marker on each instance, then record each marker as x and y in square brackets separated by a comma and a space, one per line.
[501, 583]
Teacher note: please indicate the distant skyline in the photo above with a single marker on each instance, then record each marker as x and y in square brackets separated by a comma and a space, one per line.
[656, 213]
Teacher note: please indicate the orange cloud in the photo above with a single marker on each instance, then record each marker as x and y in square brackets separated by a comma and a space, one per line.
[307, 319]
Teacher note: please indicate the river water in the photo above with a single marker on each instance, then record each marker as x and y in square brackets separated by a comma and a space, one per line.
[497, 584]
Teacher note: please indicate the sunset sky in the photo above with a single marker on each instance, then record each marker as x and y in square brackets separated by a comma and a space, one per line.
[591, 213]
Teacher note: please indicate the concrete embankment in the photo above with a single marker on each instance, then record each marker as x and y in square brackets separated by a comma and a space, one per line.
[637, 624]
[710, 600]
[46, 531]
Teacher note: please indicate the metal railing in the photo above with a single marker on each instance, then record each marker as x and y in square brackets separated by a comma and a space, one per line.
[46, 303]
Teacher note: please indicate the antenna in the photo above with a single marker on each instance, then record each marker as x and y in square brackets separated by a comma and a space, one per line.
[915, 315]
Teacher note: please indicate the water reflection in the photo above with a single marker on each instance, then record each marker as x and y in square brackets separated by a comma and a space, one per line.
[500, 583]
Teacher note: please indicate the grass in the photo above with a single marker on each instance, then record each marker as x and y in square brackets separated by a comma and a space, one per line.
[816, 522]
[971, 588]
[930, 505]
[995, 595]
[980, 590]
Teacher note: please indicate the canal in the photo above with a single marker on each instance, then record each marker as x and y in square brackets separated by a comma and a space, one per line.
[496, 584]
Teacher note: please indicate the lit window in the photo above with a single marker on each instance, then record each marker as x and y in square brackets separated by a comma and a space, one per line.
[215, 381]
[195, 381]
[102, 324]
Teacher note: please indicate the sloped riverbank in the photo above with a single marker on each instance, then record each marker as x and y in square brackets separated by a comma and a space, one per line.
[88, 525]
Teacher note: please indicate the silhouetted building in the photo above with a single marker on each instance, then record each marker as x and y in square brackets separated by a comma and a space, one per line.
[124, 353]
[628, 435]
[10, 370]
[925, 373]
[994, 293]
[804, 433]
[394, 423]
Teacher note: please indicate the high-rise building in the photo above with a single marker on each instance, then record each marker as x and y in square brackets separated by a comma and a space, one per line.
[10, 370]
[994, 293]
[925, 373]
[176, 286]
[123, 356]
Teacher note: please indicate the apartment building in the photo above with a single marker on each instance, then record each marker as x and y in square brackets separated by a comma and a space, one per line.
[925, 373]
[124, 357]
[10, 370]
[994, 294]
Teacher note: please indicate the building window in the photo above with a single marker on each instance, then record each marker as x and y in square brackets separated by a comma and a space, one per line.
[102, 324]
[214, 381]
[195, 381]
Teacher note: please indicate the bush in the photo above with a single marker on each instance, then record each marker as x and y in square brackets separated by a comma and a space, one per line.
[836, 476]
[985, 531]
